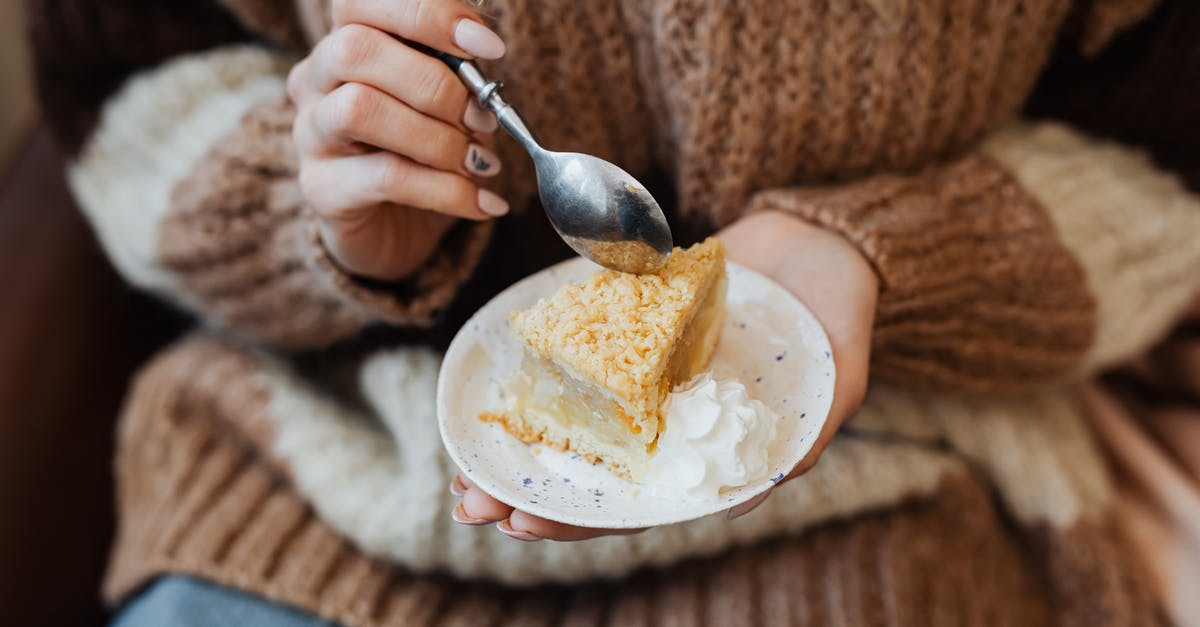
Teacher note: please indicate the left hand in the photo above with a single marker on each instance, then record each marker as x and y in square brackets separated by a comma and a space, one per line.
[827, 273]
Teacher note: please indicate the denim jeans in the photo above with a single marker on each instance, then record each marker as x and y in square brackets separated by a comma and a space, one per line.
[178, 601]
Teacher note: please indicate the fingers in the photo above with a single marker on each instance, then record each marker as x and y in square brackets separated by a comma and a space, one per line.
[835, 281]
[446, 25]
[479, 508]
[521, 525]
[359, 54]
[336, 187]
[356, 114]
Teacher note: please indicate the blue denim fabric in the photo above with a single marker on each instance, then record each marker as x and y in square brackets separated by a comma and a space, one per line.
[178, 601]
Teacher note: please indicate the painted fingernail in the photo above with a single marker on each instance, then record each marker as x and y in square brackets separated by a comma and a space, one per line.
[524, 536]
[748, 506]
[479, 120]
[456, 487]
[461, 517]
[483, 162]
[492, 204]
[478, 40]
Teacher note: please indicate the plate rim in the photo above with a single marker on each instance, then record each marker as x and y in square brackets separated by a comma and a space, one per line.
[460, 340]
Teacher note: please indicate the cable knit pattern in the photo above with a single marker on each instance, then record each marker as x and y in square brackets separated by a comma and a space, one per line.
[244, 247]
[1134, 228]
[363, 481]
[151, 136]
[1040, 255]
[977, 292]
[191, 186]
[731, 99]
[199, 500]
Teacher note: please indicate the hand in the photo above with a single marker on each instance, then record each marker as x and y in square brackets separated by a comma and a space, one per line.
[390, 143]
[828, 274]
[825, 272]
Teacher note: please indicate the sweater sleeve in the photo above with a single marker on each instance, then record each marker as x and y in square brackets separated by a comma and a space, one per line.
[190, 183]
[1043, 255]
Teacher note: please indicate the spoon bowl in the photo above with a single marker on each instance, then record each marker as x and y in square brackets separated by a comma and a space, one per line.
[598, 209]
[602, 212]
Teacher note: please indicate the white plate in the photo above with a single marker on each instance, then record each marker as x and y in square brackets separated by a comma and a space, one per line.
[770, 342]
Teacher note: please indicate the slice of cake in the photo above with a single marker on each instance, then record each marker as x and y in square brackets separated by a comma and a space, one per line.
[602, 355]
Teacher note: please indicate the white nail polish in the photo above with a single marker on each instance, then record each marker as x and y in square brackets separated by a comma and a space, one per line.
[492, 204]
[478, 40]
[479, 120]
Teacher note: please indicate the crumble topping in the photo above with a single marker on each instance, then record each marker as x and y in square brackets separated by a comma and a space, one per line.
[618, 330]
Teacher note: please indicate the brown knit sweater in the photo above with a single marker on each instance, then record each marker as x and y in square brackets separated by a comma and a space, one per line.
[1012, 257]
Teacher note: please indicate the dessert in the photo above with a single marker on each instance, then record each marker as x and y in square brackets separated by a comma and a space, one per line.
[602, 356]
[716, 437]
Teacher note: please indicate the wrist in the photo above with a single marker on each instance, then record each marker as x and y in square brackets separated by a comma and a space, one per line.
[793, 242]
[387, 248]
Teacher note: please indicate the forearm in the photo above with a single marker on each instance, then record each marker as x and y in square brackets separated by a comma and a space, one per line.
[190, 181]
[1017, 265]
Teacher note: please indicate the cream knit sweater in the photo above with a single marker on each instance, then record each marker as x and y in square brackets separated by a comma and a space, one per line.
[364, 474]
[1016, 258]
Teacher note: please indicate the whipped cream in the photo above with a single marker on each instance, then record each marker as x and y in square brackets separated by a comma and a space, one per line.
[716, 436]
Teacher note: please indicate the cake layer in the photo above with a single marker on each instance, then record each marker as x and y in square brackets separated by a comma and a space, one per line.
[545, 404]
[621, 331]
[601, 357]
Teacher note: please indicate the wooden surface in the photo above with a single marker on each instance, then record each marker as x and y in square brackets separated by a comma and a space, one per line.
[71, 334]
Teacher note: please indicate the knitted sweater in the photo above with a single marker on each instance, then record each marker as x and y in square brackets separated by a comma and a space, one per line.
[288, 449]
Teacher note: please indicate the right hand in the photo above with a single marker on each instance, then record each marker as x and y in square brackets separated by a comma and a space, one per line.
[390, 142]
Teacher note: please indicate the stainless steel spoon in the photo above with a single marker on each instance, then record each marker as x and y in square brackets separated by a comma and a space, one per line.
[597, 208]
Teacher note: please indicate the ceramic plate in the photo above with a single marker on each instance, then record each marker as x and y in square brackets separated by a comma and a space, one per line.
[770, 342]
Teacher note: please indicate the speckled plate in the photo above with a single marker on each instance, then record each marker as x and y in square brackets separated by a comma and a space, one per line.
[770, 341]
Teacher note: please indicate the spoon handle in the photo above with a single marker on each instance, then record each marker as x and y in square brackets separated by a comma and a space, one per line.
[488, 94]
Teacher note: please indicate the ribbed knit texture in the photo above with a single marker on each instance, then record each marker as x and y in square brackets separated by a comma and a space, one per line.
[243, 245]
[863, 116]
[1134, 229]
[979, 294]
[197, 499]
[745, 98]
[976, 290]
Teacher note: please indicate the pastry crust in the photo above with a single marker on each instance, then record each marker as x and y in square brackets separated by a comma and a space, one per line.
[619, 331]
[602, 355]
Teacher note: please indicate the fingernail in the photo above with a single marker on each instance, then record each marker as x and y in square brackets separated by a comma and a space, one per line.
[461, 517]
[478, 40]
[524, 536]
[479, 120]
[483, 162]
[492, 204]
[456, 487]
[748, 506]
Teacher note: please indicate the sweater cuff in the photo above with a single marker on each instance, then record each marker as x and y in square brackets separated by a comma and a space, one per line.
[977, 291]
[1134, 228]
[418, 300]
[248, 253]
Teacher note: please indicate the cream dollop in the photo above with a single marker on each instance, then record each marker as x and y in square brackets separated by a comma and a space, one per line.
[715, 436]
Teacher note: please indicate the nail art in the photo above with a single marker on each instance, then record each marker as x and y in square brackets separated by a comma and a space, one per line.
[505, 527]
[481, 161]
[456, 486]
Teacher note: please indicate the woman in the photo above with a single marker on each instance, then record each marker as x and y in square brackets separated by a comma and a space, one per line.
[329, 227]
